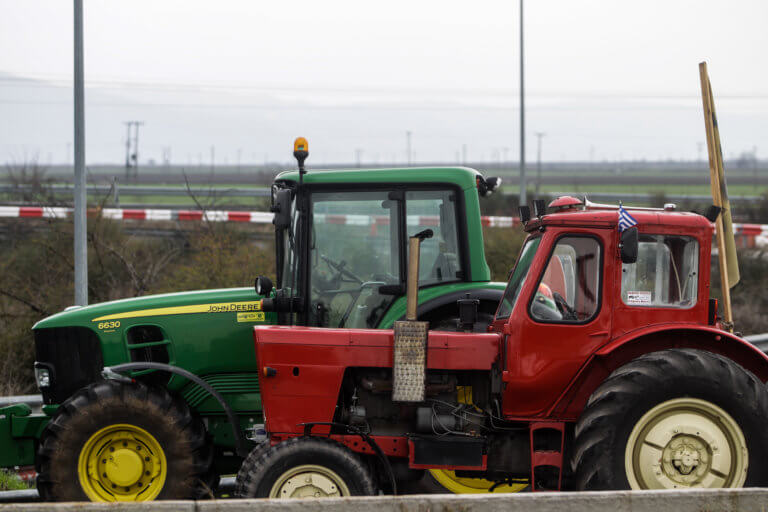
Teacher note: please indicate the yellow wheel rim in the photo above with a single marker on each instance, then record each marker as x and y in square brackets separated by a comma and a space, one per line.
[122, 463]
[309, 481]
[686, 442]
[460, 485]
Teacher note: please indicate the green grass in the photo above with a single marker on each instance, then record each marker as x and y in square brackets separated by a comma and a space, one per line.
[10, 481]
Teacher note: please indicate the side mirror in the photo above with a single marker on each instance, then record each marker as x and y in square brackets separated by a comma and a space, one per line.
[712, 213]
[282, 209]
[263, 286]
[525, 214]
[493, 183]
[628, 245]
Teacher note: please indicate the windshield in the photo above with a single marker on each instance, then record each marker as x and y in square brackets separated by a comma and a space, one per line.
[354, 251]
[518, 277]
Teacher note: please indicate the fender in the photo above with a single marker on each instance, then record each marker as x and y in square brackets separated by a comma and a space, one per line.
[622, 350]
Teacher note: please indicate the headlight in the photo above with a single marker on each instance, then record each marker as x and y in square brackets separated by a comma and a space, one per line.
[43, 377]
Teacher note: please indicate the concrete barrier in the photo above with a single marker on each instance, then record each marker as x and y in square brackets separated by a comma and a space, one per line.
[729, 500]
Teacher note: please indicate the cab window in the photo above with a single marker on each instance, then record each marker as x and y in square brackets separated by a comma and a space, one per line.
[665, 274]
[569, 289]
[517, 278]
[440, 260]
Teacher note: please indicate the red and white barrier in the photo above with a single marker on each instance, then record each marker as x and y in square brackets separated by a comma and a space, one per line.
[58, 212]
[747, 235]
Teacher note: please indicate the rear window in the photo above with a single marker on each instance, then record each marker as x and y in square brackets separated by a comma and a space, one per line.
[666, 273]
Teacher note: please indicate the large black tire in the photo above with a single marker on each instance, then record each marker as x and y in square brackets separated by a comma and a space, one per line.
[661, 387]
[180, 435]
[266, 466]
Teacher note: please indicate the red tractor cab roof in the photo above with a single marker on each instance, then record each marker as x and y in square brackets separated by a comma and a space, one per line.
[571, 211]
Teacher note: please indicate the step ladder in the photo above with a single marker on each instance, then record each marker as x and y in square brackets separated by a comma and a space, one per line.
[547, 458]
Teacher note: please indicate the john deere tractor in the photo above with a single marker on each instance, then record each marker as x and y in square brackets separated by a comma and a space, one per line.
[176, 422]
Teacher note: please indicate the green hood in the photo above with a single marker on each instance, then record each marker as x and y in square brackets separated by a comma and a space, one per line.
[76, 315]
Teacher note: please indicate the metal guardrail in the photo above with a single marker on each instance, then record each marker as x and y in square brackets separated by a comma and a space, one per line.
[226, 487]
[31, 400]
[759, 340]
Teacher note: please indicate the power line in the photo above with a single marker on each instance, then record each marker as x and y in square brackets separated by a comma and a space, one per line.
[431, 91]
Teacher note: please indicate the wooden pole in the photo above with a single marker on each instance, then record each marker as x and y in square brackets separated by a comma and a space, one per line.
[413, 279]
[715, 169]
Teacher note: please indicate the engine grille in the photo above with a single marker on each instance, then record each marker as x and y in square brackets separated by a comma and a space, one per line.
[226, 383]
[74, 354]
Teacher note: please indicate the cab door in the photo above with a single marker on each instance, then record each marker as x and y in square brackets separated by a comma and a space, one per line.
[562, 321]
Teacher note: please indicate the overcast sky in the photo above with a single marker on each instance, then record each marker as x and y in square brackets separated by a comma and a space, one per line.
[605, 79]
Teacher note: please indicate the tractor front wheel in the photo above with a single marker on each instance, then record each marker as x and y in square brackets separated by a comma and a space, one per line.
[124, 442]
[303, 467]
[673, 419]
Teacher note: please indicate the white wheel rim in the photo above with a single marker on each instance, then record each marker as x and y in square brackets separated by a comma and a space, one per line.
[686, 442]
[309, 481]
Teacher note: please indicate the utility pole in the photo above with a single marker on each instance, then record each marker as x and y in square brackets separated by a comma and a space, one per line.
[463, 154]
[127, 149]
[213, 158]
[523, 192]
[358, 157]
[80, 242]
[132, 157]
[136, 124]
[408, 146]
[539, 136]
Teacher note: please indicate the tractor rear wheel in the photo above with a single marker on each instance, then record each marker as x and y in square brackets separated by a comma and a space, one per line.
[673, 419]
[124, 442]
[303, 467]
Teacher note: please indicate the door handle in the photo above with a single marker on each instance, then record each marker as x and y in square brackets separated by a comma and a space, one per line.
[597, 334]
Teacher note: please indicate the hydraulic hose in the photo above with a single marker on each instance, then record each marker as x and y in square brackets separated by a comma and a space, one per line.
[114, 373]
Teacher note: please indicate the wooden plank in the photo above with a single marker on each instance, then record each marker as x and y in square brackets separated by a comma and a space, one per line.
[714, 172]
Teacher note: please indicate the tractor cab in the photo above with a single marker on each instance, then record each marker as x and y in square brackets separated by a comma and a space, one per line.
[342, 240]
[580, 282]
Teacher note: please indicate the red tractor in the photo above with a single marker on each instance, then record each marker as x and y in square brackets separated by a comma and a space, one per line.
[606, 367]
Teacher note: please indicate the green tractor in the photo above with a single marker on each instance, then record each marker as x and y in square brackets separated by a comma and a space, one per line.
[192, 409]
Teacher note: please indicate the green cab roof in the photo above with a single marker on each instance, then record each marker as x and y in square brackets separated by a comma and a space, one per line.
[464, 177]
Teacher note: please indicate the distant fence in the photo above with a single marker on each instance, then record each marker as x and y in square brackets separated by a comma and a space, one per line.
[747, 235]
[116, 190]
[142, 190]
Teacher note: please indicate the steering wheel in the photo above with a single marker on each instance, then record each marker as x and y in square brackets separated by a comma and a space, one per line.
[339, 267]
[565, 309]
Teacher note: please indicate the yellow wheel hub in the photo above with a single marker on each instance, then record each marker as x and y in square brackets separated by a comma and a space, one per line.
[122, 463]
[460, 485]
[686, 442]
[309, 481]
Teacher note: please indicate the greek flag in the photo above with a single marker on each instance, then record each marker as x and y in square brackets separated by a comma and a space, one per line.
[626, 221]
